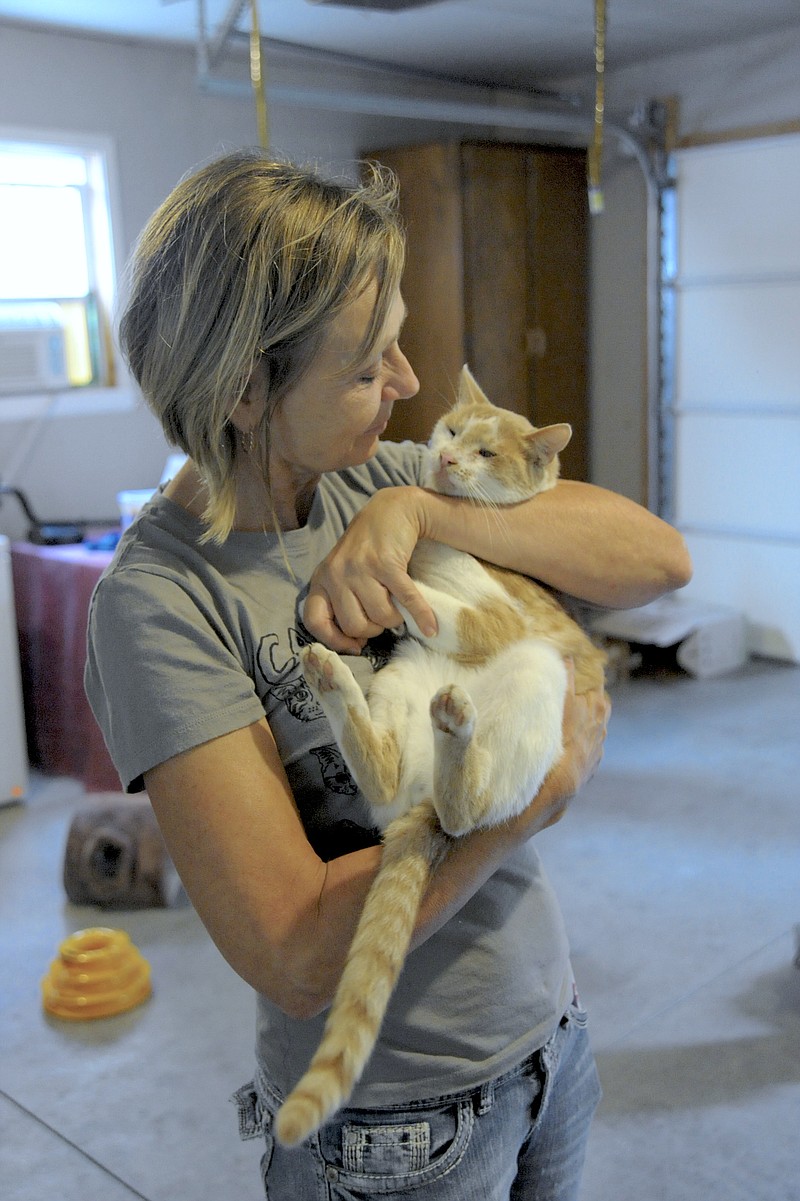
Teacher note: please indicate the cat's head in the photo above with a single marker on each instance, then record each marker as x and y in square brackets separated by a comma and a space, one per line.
[490, 454]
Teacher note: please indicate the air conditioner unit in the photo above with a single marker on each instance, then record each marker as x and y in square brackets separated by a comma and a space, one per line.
[32, 349]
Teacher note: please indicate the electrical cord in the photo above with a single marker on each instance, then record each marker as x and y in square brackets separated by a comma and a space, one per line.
[46, 533]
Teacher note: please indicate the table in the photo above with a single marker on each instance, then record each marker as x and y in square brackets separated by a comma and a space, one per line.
[52, 588]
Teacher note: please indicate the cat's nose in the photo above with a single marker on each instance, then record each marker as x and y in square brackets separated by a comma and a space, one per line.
[446, 459]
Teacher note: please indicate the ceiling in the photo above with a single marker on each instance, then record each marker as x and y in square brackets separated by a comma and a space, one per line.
[509, 43]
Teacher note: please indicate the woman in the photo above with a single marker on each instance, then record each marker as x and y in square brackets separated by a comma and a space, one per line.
[263, 327]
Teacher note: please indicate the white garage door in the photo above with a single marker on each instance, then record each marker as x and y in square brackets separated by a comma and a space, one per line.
[737, 382]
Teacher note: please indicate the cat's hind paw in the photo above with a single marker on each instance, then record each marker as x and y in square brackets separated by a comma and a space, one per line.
[453, 713]
[323, 669]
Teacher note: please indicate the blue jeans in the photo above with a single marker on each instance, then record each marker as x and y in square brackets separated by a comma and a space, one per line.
[521, 1137]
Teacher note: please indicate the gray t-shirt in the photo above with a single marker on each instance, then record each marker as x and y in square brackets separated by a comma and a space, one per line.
[189, 641]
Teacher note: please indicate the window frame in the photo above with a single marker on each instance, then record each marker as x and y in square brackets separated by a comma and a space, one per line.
[102, 216]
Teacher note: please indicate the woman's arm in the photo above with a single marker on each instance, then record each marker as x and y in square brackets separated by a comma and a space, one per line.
[583, 540]
[282, 918]
[580, 539]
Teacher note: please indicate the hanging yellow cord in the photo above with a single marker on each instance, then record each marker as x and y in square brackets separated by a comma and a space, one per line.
[257, 76]
[596, 148]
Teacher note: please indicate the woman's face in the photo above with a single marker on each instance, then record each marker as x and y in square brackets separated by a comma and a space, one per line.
[330, 420]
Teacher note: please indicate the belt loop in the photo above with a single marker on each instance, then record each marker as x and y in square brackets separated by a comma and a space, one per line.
[484, 1099]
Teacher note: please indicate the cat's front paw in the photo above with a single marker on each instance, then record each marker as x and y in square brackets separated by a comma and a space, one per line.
[453, 712]
[409, 625]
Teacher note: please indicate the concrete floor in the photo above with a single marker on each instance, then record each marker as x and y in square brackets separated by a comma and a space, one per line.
[679, 874]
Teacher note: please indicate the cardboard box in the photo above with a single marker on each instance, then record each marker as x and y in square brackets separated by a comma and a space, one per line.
[709, 640]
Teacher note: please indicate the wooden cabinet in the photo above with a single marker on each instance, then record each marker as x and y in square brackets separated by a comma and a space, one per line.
[496, 277]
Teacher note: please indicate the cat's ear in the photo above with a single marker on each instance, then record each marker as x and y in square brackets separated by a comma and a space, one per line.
[546, 443]
[469, 390]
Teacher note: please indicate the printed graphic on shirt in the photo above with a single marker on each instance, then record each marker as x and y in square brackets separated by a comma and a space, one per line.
[278, 664]
[282, 680]
[279, 667]
[335, 773]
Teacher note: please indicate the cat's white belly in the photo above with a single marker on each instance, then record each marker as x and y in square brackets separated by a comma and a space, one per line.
[455, 573]
[519, 698]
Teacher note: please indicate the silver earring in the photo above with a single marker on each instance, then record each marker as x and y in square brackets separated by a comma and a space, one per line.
[248, 441]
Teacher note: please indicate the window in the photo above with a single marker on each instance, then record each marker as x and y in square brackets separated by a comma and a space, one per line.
[56, 267]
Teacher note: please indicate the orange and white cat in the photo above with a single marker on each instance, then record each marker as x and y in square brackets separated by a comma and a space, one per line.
[456, 732]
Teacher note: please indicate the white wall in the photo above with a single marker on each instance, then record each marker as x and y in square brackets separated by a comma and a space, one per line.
[146, 101]
[737, 382]
[144, 98]
[738, 306]
[724, 88]
[720, 88]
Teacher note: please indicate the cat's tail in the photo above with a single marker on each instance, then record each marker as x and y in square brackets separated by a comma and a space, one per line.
[412, 845]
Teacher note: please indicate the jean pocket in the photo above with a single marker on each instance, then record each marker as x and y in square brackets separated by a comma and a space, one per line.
[369, 1153]
[256, 1120]
[254, 1117]
[576, 1015]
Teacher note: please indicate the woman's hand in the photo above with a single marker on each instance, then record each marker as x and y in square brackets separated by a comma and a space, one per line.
[352, 592]
[584, 730]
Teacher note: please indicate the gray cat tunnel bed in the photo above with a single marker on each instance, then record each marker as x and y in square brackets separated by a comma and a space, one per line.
[115, 857]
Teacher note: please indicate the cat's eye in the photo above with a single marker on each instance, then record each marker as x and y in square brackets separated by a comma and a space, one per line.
[451, 431]
[486, 454]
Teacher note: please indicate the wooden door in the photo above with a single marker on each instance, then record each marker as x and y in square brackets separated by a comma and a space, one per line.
[496, 276]
[433, 282]
[558, 299]
[495, 235]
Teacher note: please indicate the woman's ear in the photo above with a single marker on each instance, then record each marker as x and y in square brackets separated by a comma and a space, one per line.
[250, 410]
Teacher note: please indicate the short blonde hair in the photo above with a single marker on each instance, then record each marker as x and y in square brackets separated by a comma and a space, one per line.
[249, 258]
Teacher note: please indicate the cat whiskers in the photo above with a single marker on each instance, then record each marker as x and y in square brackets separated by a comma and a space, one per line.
[494, 513]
